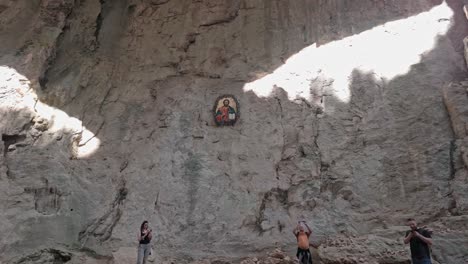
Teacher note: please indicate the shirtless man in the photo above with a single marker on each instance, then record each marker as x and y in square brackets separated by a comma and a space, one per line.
[302, 236]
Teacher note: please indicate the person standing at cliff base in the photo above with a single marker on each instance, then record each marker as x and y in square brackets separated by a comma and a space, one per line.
[419, 240]
[144, 239]
[302, 233]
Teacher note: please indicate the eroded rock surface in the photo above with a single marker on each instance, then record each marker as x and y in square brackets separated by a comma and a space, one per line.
[347, 121]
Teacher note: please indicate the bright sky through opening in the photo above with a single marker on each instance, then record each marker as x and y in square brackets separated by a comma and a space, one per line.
[387, 50]
[20, 97]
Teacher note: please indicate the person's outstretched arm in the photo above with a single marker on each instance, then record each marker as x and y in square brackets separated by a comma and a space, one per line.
[296, 230]
[408, 237]
[425, 239]
[309, 231]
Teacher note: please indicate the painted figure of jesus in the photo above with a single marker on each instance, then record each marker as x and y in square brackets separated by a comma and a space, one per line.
[225, 115]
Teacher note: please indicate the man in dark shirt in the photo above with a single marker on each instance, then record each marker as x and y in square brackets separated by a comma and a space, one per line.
[419, 240]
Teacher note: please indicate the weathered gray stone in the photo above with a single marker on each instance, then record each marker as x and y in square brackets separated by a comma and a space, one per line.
[106, 120]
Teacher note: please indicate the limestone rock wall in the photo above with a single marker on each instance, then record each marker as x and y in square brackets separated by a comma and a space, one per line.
[107, 121]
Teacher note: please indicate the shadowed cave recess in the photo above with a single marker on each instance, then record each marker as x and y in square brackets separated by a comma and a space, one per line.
[352, 117]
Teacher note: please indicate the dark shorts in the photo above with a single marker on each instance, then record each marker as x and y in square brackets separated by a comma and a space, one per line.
[304, 256]
[421, 261]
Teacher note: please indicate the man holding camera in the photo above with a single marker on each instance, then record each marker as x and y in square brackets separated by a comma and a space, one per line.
[419, 240]
[302, 233]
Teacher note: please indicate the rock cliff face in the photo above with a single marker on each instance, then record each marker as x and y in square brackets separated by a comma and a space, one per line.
[353, 116]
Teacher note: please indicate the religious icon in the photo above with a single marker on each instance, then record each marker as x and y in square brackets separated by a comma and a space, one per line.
[226, 110]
